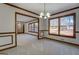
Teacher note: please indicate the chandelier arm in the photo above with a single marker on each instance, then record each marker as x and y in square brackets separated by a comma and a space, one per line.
[45, 14]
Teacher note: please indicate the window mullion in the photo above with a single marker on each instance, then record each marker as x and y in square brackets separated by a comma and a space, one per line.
[59, 26]
[34, 27]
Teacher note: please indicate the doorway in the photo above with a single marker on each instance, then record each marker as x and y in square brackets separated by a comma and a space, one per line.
[20, 27]
[22, 22]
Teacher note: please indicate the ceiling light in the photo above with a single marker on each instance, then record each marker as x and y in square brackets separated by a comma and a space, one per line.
[44, 14]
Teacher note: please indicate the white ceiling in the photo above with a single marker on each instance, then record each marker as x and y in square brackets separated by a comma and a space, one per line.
[24, 18]
[50, 7]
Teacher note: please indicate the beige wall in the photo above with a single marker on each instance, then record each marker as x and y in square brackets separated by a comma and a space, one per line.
[7, 24]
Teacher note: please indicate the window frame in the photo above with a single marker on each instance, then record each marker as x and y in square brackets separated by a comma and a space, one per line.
[31, 27]
[74, 26]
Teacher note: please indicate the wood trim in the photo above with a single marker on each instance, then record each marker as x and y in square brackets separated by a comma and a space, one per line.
[23, 28]
[15, 29]
[32, 20]
[58, 26]
[62, 16]
[20, 33]
[31, 34]
[25, 15]
[7, 33]
[43, 30]
[77, 31]
[74, 34]
[8, 48]
[8, 43]
[74, 30]
[21, 21]
[65, 10]
[38, 27]
[9, 4]
[62, 41]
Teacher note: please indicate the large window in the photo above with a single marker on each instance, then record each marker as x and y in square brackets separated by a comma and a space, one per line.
[54, 26]
[63, 26]
[66, 25]
[33, 27]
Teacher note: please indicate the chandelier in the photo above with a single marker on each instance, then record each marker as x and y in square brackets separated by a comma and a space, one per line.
[44, 14]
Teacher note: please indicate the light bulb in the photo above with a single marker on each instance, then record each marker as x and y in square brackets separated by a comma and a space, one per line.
[48, 14]
[42, 14]
[45, 17]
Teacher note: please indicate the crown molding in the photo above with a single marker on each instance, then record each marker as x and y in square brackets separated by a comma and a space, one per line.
[65, 10]
[9, 4]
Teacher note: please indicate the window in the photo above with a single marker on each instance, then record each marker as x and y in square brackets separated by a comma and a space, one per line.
[66, 25]
[33, 27]
[63, 26]
[54, 26]
[36, 27]
[29, 27]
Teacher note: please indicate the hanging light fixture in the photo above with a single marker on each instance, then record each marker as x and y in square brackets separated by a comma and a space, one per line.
[44, 14]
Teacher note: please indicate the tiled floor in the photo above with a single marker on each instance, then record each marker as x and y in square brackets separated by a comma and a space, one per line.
[30, 45]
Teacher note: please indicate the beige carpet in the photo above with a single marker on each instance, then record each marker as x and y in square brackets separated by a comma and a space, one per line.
[30, 45]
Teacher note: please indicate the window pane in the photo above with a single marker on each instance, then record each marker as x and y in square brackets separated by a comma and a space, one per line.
[54, 26]
[33, 27]
[29, 27]
[36, 27]
[66, 25]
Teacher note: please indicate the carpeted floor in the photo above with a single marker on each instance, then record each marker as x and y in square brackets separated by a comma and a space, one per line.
[30, 45]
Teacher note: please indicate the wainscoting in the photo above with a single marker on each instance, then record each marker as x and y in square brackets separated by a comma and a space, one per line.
[30, 45]
[7, 40]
